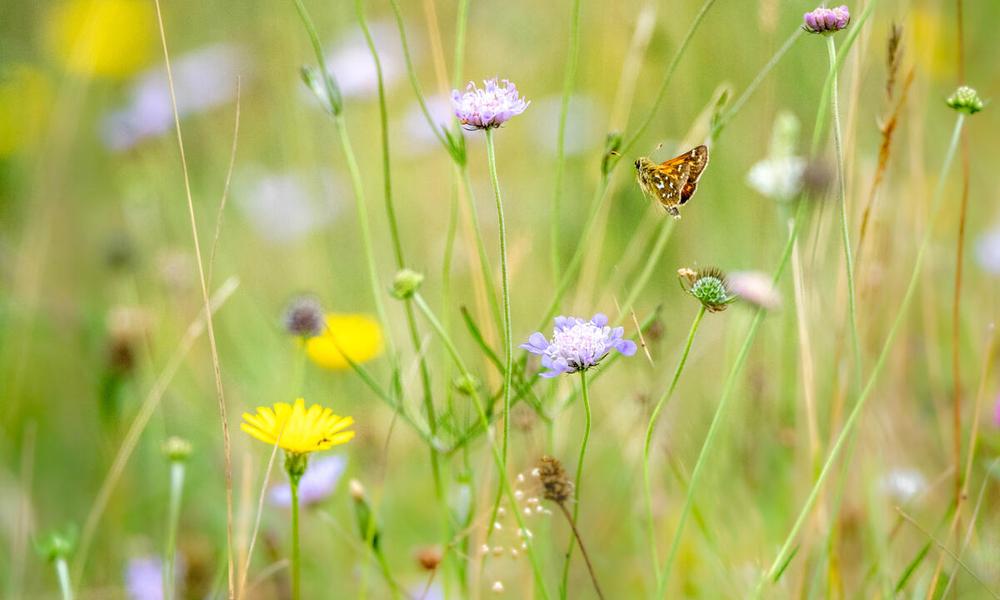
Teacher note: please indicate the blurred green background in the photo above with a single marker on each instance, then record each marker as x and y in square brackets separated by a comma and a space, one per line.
[98, 282]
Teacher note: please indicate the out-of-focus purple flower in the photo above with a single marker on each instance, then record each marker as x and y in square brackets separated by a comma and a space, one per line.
[988, 251]
[283, 207]
[352, 64]
[320, 480]
[996, 412]
[578, 345]
[144, 578]
[418, 136]
[489, 107]
[756, 288]
[583, 129]
[203, 79]
[826, 20]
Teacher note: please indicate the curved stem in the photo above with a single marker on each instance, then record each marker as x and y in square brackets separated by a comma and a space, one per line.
[852, 419]
[585, 395]
[505, 293]
[844, 226]
[651, 428]
[583, 549]
[508, 490]
[720, 411]
[568, 78]
[296, 562]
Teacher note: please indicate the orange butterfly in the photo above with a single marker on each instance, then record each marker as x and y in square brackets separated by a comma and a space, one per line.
[672, 183]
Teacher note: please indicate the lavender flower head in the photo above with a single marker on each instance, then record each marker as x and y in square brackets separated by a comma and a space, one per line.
[490, 107]
[826, 20]
[578, 345]
[144, 578]
[318, 482]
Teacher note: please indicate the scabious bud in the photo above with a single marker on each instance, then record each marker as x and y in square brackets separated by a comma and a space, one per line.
[176, 449]
[466, 385]
[826, 21]
[406, 283]
[304, 317]
[965, 99]
[708, 286]
[57, 545]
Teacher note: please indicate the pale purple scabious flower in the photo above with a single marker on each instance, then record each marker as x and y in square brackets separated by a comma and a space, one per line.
[755, 287]
[203, 79]
[144, 578]
[487, 108]
[826, 20]
[320, 480]
[988, 251]
[578, 345]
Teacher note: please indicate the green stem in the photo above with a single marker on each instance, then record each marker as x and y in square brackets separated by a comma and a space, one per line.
[397, 246]
[569, 77]
[505, 294]
[844, 226]
[364, 226]
[177, 468]
[651, 428]
[720, 411]
[852, 419]
[484, 258]
[585, 395]
[662, 93]
[461, 23]
[62, 573]
[296, 561]
[484, 422]
[666, 228]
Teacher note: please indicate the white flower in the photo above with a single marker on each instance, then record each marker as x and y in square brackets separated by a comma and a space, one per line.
[988, 251]
[903, 484]
[777, 178]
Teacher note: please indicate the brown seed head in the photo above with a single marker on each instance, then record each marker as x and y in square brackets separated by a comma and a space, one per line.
[556, 486]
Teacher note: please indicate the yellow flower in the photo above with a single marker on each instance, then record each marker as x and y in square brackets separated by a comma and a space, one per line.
[359, 337]
[297, 430]
[25, 100]
[106, 38]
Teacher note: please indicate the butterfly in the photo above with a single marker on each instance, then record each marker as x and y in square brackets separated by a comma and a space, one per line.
[672, 183]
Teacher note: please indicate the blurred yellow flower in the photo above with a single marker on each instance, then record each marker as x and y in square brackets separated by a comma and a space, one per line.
[359, 337]
[297, 430]
[105, 38]
[930, 33]
[25, 100]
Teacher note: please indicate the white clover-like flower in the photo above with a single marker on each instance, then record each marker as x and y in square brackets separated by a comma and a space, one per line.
[578, 345]
[903, 484]
[778, 178]
[489, 107]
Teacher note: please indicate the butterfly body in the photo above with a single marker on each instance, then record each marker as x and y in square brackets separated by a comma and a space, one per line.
[673, 182]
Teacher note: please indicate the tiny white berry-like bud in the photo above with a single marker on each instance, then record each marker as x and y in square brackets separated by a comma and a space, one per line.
[484, 549]
[533, 500]
[518, 494]
[527, 511]
[501, 512]
[524, 545]
[497, 526]
[535, 472]
[497, 587]
[497, 550]
[514, 553]
[520, 477]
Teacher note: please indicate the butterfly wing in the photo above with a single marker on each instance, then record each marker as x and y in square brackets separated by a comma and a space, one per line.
[666, 182]
[696, 160]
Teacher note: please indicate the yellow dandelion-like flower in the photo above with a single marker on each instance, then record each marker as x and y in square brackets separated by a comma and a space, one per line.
[298, 430]
[359, 337]
[25, 100]
[104, 38]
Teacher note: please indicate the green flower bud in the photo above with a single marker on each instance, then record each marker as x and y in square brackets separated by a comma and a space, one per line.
[406, 283]
[965, 99]
[176, 449]
[708, 286]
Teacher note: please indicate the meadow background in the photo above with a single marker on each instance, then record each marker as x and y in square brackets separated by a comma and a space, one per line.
[99, 284]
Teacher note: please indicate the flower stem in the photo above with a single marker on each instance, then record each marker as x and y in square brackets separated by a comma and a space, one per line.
[651, 428]
[363, 225]
[844, 226]
[177, 468]
[62, 573]
[585, 395]
[852, 419]
[720, 411]
[296, 561]
[505, 294]
[583, 549]
[569, 77]
[484, 422]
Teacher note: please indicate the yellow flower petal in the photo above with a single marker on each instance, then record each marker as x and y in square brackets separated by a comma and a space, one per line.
[297, 429]
[359, 337]
[105, 38]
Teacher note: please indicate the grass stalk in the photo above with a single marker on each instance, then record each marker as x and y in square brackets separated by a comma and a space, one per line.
[585, 395]
[569, 77]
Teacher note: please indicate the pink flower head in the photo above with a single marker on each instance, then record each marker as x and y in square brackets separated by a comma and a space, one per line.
[826, 20]
[487, 108]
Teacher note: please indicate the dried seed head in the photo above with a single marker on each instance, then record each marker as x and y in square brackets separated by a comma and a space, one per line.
[556, 485]
[304, 317]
